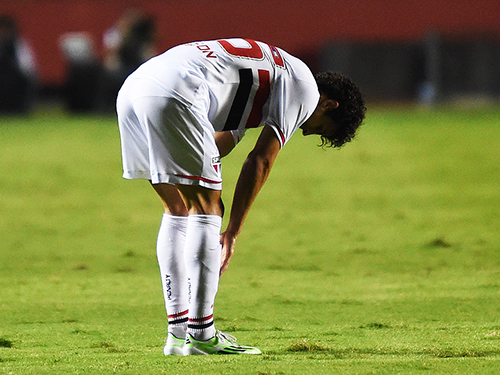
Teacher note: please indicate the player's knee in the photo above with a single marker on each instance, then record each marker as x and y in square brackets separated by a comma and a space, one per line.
[176, 210]
[207, 207]
[202, 201]
[171, 199]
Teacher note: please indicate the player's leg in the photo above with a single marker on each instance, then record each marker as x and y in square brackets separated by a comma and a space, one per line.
[182, 151]
[202, 255]
[138, 117]
[202, 258]
[170, 254]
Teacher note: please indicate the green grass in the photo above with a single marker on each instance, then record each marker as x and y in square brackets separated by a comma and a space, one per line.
[380, 258]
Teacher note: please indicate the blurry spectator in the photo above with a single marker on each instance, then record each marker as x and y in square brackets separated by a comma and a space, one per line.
[127, 44]
[18, 74]
[84, 71]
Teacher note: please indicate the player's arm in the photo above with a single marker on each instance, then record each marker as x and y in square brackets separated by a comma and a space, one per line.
[253, 175]
[227, 140]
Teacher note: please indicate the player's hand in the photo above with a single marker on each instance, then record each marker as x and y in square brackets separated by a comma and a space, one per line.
[227, 241]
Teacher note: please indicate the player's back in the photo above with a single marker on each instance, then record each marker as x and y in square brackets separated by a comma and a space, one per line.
[241, 77]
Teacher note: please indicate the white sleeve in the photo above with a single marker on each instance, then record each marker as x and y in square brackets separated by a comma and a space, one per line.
[289, 111]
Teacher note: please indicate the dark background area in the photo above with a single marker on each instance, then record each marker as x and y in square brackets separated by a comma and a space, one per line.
[395, 50]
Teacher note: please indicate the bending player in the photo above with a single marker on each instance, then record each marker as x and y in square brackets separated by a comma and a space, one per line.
[178, 114]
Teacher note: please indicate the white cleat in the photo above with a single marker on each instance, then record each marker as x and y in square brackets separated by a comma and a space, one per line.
[174, 345]
[221, 343]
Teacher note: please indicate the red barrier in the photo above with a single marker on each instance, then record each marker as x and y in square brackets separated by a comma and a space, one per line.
[299, 26]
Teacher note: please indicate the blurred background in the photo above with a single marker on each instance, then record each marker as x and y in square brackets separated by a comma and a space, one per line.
[76, 53]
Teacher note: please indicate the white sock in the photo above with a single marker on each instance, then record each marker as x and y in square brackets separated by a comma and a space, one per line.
[170, 253]
[202, 258]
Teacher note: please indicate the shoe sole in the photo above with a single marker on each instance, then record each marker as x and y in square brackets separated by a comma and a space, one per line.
[173, 350]
[194, 351]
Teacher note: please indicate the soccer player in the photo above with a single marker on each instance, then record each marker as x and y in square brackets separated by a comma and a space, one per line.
[178, 114]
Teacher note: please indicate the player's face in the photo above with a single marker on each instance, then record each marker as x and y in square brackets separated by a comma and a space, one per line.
[320, 122]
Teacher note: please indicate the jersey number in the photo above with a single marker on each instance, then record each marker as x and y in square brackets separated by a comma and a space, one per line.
[254, 52]
[246, 82]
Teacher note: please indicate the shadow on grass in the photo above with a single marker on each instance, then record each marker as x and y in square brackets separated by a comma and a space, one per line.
[4, 343]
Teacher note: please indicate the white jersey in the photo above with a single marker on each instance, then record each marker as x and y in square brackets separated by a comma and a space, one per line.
[245, 84]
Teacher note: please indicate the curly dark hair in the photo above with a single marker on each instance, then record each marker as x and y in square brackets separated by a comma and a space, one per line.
[351, 110]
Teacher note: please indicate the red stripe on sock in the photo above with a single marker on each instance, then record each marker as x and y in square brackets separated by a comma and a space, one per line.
[202, 319]
[178, 314]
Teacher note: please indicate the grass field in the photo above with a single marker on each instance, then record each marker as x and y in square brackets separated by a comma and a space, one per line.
[380, 258]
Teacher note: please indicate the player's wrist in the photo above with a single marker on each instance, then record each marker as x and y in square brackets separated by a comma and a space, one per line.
[231, 234]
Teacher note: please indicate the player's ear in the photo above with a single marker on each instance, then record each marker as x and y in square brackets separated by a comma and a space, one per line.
[327, 104]
[330, 104]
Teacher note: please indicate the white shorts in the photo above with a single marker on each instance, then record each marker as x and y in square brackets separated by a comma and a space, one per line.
[165, 140]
